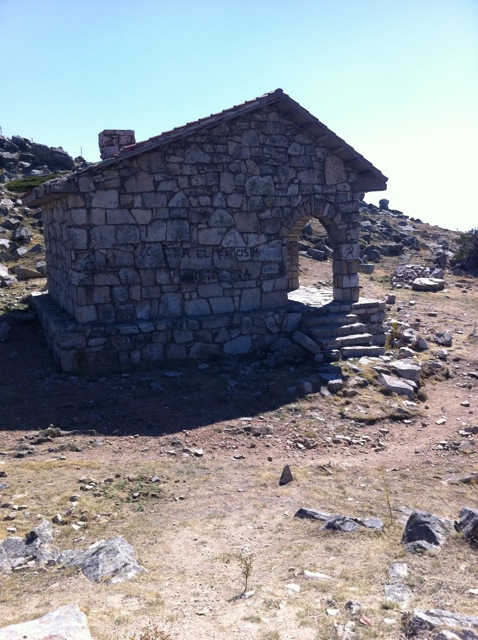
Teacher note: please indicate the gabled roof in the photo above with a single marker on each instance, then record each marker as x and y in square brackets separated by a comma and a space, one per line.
[369, 177]
[292, 110]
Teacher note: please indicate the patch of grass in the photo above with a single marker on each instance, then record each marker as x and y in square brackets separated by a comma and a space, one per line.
[270, 635]
[151, 632]
[307, 616]
[252, 618]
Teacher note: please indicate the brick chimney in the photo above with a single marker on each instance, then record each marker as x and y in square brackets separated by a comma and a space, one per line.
[111, 141]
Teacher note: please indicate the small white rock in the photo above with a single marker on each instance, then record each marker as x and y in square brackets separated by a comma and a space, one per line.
[317, 576]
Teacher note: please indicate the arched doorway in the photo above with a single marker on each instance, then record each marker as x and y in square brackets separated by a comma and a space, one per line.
[342, 236]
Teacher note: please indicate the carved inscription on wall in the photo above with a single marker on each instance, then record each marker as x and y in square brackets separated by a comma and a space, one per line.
[204, 265]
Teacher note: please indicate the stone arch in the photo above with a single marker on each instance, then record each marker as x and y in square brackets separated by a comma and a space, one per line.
[342, 231]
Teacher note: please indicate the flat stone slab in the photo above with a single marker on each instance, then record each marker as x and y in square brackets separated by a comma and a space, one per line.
[396, 385]
[65, 623]
[406, 370]
[362, 339]
[359, 352]
[337, 521]
[312, 514]
[428, 284]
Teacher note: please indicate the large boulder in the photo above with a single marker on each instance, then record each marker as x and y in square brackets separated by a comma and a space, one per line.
[55, 158]
[468, 525]
[16, 552]
[425, 531]
[111, 560]
[65, 623]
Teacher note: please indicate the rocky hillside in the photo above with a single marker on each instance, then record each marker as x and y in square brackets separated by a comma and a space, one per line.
[21, 157]
[23, 165]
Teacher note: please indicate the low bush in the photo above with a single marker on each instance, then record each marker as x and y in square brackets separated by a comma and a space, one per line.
[468, 247]
[26, 184]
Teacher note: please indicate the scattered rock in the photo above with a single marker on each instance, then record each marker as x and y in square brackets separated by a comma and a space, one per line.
[316, 576]
[398, 570]
[468, 525]
[354, 607]
[23, 273]
[398, 592]
[419, 343]
[341, 523]
[471, 478]
[286, 476]
[422, 621]
[346, 631]
[444, 338]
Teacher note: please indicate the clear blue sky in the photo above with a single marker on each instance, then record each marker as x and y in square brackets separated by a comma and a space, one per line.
[397, 79]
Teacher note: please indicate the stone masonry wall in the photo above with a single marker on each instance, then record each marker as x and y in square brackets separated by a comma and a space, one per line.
[195, 243]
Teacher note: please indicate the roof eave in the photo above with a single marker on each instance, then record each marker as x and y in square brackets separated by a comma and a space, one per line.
[49, 191]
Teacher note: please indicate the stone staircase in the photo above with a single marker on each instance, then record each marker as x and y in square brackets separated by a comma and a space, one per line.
[343, 330]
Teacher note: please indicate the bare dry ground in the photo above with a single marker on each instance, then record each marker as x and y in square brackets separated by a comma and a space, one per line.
[191, 528]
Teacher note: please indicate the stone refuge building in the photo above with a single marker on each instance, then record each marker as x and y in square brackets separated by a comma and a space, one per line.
[186, 245]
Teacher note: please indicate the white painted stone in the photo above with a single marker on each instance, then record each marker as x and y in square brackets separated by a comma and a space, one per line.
[334, 170]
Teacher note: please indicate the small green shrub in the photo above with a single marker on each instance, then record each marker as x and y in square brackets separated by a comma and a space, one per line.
[468, 247]
[26, 184]
[392, 336]
[246, 564]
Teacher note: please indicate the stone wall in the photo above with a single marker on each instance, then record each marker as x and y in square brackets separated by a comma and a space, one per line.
[195, 243]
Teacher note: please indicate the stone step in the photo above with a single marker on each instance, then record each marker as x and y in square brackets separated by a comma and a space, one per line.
[367, 305]
[359, 352]
[337, 319]
[332, 330]
[353, 340]
[361, 339]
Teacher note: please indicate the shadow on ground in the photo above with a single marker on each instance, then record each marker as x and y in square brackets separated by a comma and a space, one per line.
[165, 399]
